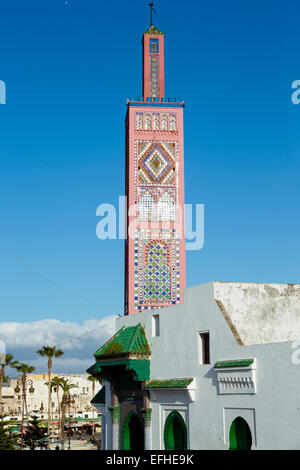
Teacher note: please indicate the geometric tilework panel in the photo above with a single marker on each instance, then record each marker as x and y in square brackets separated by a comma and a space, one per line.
[156, 203]
[156, 274]
[154, 75]
[156, 162]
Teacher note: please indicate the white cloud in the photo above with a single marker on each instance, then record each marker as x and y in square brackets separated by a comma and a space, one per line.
[78, 341]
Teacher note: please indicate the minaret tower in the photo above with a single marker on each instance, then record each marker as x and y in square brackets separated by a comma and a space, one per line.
[155, 244]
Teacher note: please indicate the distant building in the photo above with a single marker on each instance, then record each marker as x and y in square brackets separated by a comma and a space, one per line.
[37, 402]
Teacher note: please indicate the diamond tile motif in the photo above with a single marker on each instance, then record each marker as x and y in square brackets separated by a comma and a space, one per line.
[156, 162]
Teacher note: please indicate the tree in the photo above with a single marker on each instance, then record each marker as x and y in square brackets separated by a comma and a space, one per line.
[24, 369]
[35, 435]
[93, 380]
[54, 383]
[66, 386]
[7, 440]
[8, 362]
[50, 352]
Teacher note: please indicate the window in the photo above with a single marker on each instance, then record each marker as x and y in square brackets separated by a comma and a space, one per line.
[155, 325]
[154, 45]
[204, 356]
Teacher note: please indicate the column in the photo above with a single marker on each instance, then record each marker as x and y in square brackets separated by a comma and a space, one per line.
[147, 421]
[115, 415]
[147, 428]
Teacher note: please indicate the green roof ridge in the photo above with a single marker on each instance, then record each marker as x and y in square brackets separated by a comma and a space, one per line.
[233, 363]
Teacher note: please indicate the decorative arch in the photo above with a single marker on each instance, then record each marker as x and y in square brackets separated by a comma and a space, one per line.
[139, 121]
[164, 122]
[175, 432]
[156, 122]
[148, 122]
[166, 209]
[172, 122]
[147, 206]
[132, 432]
[240, 437]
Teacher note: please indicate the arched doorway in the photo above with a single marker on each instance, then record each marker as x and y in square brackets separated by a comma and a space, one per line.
[175, 432]
[240, 435]
[133, 433]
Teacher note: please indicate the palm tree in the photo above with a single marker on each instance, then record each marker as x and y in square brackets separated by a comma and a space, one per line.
[25, 369]
[49, 352]
[93, 380]
[66, 386]
[8, 361]
[55, 383]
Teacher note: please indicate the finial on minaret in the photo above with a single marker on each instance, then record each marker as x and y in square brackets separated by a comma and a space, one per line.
[151, 9]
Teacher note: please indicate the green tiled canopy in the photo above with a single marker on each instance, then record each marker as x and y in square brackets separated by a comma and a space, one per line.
[99, 398]
[169, 383]
[154, 31]
[233, 363]
[128, 340]
[129, 348]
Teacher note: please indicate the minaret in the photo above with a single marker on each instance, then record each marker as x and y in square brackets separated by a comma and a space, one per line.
[155, 245]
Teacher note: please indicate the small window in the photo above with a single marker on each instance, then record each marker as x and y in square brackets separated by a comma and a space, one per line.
[204, 356]
[154, 45]
[155, 325]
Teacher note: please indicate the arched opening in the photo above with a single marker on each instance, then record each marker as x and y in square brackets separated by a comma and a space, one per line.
[133, 433]
[240, 435]
[175, 432]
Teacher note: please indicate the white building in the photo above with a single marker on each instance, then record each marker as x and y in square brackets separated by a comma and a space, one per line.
[220, 371]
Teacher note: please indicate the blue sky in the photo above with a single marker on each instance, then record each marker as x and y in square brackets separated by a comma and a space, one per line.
[69, 68]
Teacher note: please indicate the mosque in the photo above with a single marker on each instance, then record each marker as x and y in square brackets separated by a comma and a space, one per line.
[214, 366]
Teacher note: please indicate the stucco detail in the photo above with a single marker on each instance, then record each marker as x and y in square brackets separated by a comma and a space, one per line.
[260, 313]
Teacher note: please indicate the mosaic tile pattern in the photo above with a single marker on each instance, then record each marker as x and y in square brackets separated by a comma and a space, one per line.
[166, 209]
[156, 203]
[147, 206]
[154, 76]
[139, 121]
[156, 162]
[157, 275]
[156, 121]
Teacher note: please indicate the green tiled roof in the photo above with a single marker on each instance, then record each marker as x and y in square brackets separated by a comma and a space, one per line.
[233, 363]
[99, 398]
[128, 340]
[169, 383]
[154, 31]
